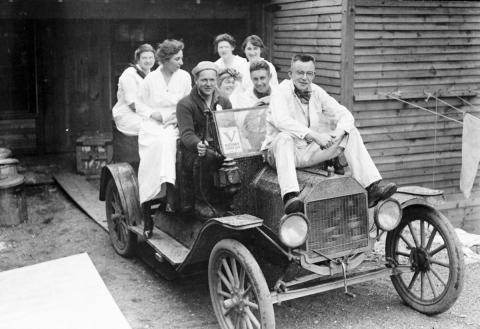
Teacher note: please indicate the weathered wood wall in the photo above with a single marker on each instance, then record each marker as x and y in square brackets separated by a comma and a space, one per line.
[409, 48]
[313, 27]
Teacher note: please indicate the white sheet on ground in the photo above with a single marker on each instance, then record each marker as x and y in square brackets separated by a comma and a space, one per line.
[66, 293]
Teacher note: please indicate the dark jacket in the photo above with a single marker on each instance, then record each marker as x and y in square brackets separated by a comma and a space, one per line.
[191, 117]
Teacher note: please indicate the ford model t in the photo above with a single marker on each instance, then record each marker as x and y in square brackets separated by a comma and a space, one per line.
[258, 256]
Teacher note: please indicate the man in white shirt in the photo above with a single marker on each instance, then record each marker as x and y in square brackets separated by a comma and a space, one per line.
[306, 126]
[260, 75]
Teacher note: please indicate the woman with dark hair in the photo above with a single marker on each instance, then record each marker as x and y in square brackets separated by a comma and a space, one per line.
[253, 47]
[158, 98]
[224, 46]
[126, 119]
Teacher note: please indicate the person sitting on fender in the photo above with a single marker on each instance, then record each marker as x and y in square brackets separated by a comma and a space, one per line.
[306, 126]
[199, 159]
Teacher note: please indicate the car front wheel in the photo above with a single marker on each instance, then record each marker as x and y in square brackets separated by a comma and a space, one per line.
[239, 292]
[426, 250]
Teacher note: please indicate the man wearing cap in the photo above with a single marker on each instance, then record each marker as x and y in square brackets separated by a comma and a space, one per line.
[199, 160]
[307, 126]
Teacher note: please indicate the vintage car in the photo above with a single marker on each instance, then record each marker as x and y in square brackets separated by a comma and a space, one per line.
[258, 256]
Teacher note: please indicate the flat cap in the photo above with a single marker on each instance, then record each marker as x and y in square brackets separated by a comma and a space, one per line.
[204, 65]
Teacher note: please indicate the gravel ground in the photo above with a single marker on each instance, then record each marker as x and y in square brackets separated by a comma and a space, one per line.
[57, 228]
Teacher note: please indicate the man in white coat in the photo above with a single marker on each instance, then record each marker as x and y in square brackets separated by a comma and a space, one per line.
[306, 126]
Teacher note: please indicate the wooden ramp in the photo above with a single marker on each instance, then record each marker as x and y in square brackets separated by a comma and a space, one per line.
[58, 294]
[85, 195]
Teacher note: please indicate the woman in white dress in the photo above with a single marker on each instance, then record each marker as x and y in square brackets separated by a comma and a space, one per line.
[158, 97]
[126, 119]
[253, 47]
[224, 46]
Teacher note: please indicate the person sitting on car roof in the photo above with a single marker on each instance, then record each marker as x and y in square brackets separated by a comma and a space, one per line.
[306, 126]
[199, 158]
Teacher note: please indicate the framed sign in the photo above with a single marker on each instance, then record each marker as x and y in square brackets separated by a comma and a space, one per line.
[241, 132]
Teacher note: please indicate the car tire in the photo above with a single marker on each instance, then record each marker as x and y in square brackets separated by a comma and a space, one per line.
[238, 290]
[426, 251]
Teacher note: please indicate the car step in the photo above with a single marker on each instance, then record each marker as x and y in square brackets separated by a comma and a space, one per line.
[166, 246]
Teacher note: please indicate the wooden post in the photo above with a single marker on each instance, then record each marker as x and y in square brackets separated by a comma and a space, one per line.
[348, 45]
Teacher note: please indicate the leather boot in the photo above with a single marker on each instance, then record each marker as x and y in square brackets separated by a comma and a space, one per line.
[377, 193]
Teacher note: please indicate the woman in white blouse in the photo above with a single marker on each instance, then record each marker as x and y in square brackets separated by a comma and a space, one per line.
[224, 46]
[158, 97]
[253, 46]
[126, 119]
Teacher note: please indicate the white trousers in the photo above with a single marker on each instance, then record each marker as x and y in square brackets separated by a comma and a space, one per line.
[157, 147]
[288, 153]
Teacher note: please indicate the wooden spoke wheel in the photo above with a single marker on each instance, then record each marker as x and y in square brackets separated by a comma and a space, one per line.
[238, 289]
[429, 258]
[123, 240]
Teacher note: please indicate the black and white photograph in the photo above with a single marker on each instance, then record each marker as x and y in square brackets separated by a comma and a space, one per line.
[239, 164]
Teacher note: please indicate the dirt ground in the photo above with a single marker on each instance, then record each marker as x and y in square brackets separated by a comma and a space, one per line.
[57, 228]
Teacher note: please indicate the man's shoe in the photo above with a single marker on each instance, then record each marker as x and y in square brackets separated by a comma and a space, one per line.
[377, 193]
[203, 210]
[292, 203]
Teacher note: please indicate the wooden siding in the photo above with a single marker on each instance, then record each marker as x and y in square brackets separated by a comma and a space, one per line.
[409, 47]
[314, 27]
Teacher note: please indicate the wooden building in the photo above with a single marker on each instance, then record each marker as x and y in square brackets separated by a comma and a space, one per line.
[368, 49]
[60, 59]
[63, 59]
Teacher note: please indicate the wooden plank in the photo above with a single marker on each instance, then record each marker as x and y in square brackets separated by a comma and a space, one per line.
[376, 42]
[84, 195]
[284, 65]
[408, 128]
[308, 42]
[387, 167]
[309, 12]
[406, 58]
[348, 46]
[391, 136]
[450, 147]
[330, 18]
[417, 11]
[426, 73]
[323, 57]
[419, 49]
[413, 35]
[468, 80]
[416, 27]
[308, 27]
[381, 144]
[464, 65]
[392, 104]
[310, 49]
[308, 34]
[441, 90]
[402, 19]
[310, 4]
[62, 293]
[410, 4]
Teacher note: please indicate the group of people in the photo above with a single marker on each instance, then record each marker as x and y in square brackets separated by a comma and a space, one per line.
[304, 125]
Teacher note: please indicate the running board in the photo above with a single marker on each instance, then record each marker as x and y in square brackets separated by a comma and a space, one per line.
[278, 297]
[166, 246]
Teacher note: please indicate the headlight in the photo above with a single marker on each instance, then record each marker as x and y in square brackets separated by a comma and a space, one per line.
[293, 230]
[388, 214]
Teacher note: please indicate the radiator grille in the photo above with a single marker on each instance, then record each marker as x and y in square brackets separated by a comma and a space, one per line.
[338, 225]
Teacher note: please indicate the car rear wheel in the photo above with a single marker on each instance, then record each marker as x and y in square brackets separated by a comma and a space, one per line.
[238, 289]
[123, 240]
[427, 253]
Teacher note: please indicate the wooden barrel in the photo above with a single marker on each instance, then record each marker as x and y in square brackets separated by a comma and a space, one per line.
[5, 153]
[13, 206]
[8, 167]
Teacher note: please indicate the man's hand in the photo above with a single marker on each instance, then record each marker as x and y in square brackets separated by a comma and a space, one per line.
[324, 140]
[157, 116]
[202, 148]
[171, 120]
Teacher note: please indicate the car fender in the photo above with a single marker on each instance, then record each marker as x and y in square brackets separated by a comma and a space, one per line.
[243, 228]
[126, 181]
[409, 196]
